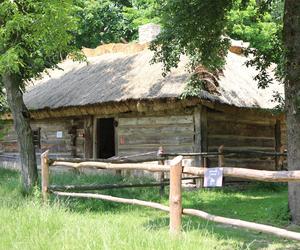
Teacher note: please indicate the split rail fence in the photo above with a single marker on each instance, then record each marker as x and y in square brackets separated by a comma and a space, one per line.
[175, 169]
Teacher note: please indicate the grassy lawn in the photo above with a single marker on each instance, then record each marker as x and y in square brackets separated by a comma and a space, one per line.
[92, 224]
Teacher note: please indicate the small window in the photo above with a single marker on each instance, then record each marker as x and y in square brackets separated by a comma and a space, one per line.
[37, 137]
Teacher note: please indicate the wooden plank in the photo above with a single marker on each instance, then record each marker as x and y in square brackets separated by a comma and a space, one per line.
[240, 118]
[156, 140]
[88, 137]
[161, 129]
[156, 120]
[240, 141]
[237, 148]
[234, 128]
[146, 148]
[246, 163]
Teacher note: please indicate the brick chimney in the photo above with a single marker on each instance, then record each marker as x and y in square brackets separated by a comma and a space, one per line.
[148, 32]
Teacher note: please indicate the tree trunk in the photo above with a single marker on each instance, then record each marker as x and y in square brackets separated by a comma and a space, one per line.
[21, 118]
[292, 98]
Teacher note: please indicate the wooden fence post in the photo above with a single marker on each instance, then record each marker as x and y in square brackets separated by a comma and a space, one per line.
[221, 157]
[161, 174]
[175, 195]
[45, 174]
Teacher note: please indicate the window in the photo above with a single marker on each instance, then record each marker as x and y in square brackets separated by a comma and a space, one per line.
[37, 137]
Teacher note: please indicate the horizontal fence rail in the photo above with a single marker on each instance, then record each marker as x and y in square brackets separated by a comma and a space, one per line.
[198, 213]
[245, 173]
[176, 169]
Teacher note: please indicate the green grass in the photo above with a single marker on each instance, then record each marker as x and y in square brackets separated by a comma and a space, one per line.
[25, 223]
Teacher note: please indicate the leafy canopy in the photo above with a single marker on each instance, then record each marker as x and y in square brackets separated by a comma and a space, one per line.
[200, 30]
[35, 35]
[194, 28]
[107, 21]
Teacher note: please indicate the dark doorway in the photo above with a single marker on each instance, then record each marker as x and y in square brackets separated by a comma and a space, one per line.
[105, 138]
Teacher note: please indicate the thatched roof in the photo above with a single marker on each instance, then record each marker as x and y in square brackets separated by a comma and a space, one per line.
[115, 77]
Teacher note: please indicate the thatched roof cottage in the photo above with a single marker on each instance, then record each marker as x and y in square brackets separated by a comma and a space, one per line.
[120, 104]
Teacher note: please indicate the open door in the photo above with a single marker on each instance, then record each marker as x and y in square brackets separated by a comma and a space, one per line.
[105, 138]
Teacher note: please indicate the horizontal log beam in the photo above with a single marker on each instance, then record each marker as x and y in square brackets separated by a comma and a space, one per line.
[114, 166]
[227, 221]
[115, 199]
[103, 186]
[251, 174]
[244, 224]
[244, 173]
[119, 160]
[228, 152]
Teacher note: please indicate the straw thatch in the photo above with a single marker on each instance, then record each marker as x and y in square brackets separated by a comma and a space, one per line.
[115, 77]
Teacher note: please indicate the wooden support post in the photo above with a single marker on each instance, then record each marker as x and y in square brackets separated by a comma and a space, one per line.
[278, 145]
[161, 180]
[45, 174]
[175, 195]
[221, 158]
[161, 174]
[281, 159]
[198, 141]
[204, 142]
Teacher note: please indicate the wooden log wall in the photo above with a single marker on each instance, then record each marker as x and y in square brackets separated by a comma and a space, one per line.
[70, 144]
[242, 131]
[8, 139]
[145, 134]
[283, 134]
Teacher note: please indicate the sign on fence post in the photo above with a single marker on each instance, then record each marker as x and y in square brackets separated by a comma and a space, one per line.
[213, 177]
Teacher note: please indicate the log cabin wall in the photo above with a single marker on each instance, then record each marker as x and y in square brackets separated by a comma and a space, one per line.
[63, 137]
[242, 131]
[189, 130]
[145, 134]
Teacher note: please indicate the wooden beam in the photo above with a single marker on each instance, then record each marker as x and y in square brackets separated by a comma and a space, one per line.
[120, 166]
[244, 224]
[45, 174]
[103, 186]
[175, 199]
[233, 222]
[251, 174]
[88, 137]
[115, 199]
[278, 144]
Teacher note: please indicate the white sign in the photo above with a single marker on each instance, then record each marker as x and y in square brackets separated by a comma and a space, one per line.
[213, 177]
[59, 134]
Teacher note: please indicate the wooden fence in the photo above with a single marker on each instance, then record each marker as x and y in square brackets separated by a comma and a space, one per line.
[176, 169]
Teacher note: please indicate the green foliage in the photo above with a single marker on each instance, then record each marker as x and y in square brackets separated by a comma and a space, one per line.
[35, 35]
[249, 24]
[100, 21]
[107, 21]
[193, 28]
[141, 12]
[197, 29]
[94, 224]
[193, 87]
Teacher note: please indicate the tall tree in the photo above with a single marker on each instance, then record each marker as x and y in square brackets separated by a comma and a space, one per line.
[292, 97]
[197, 28]
[34, 35]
